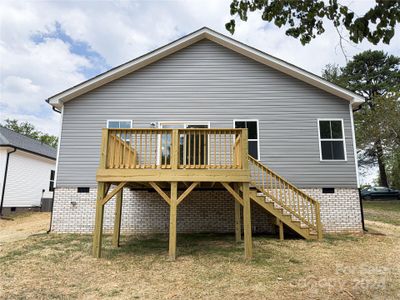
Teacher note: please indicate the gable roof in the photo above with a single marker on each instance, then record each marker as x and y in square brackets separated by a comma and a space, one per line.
[59, 99]
[9, 138]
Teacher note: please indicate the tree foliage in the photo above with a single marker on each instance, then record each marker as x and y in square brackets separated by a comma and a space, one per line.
[394, 169]
[376, 76]
[304, 19]
[29, 130]
[372, 74]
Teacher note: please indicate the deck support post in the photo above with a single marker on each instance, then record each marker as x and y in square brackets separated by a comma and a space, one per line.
[98, 227]
[172, 220]
[238, 225]
[248, 243]
[280, 226]
[117, 219]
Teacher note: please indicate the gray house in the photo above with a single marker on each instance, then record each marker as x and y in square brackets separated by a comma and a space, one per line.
[207, 87]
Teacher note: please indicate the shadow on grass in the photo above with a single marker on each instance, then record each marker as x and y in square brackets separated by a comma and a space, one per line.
[201, 244]
[187, 244]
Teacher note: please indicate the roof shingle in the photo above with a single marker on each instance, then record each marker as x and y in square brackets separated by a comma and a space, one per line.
[14, 139]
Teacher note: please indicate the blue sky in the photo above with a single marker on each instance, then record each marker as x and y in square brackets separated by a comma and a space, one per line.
[81, 48]
[48, 46]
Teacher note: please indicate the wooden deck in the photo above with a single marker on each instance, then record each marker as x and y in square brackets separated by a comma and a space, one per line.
[165, 159]
[202, 155]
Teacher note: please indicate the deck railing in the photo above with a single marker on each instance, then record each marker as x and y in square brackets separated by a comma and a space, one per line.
[194, 148]
[300, 205]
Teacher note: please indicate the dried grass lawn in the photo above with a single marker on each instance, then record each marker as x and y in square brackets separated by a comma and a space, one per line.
[386, 211]
[208, 266]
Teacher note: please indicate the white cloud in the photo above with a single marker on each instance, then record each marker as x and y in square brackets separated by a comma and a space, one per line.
[49, 124]
[34, 71]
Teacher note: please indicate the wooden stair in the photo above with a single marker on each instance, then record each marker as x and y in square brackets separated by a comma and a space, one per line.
[286, 202]
[283, 215]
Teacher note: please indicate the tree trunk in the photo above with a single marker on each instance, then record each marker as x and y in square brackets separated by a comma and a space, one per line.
[383, 181]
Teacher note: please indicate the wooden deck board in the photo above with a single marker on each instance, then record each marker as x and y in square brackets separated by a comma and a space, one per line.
[192, 175]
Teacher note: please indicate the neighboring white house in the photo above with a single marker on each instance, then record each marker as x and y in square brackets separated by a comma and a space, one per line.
[27, 170]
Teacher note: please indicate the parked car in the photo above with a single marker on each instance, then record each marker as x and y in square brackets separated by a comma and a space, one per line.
[379, 192]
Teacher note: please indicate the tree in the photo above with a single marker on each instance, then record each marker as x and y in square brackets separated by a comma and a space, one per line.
[378, 133]
[29, 130]
[24, 128]
[394, 170]
[333, 74]
[376, 76]
[305, 18]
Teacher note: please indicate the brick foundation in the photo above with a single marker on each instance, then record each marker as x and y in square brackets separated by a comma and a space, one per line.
[147, 212]
[201, 211]
[340, 211]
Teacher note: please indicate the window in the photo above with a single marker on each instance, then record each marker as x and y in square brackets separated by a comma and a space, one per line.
[253, 136]
[52, 175]
[83, 190]
[331, 140]
[328, 190]
[381, 189]
[119, 123]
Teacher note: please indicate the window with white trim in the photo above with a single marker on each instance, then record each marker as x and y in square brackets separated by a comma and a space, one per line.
[253, 136]
[331, 139]
[119, 123]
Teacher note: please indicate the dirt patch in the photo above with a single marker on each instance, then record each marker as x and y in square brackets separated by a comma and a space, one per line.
[20, 226]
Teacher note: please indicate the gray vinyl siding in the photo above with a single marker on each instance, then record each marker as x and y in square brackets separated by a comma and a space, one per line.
[207, 82]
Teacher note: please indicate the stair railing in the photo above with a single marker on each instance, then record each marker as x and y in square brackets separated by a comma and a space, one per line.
[300, 205]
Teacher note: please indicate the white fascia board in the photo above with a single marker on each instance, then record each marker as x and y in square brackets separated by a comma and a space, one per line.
[205, 33]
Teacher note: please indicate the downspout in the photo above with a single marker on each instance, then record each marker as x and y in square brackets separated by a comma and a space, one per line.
[359, 190]
[4, 182]
[362, 210]
[56, 110]
[58, 149]
[51, 213]
[358, 108]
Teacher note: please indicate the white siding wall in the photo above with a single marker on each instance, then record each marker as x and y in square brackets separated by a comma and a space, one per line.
[3, 159]
[28, 175]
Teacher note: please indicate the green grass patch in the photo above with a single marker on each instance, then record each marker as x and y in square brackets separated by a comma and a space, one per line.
[387, 211]
[61, 245]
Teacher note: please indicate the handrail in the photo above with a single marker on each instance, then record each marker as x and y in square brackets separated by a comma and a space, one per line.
[300, 205]
[281, 177]
[166, 148]
[125, 157]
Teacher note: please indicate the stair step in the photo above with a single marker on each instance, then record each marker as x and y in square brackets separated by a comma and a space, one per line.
[283, 214]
